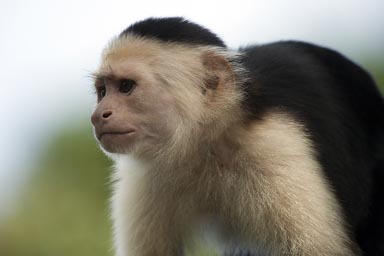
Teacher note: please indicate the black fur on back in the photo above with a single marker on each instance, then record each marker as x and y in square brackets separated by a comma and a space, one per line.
[174, 29]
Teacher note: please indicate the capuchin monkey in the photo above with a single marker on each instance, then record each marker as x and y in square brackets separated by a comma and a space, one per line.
[274, 149]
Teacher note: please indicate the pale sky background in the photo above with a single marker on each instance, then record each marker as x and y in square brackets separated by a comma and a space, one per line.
[47, 49]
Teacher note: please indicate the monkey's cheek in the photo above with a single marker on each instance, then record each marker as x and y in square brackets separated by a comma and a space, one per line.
[118, 143]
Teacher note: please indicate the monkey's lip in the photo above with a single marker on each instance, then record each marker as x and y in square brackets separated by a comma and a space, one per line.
[115, 133]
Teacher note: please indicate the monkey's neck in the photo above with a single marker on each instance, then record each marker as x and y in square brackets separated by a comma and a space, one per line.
[207, 160]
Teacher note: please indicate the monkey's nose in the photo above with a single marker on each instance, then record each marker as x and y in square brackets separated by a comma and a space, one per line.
[98, 117]
[106, 114]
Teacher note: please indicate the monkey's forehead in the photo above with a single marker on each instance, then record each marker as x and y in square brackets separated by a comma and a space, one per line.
[147, 50]
[131, 46]
[132, 55]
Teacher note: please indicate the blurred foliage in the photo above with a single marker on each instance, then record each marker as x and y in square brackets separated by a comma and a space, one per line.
[64, 209]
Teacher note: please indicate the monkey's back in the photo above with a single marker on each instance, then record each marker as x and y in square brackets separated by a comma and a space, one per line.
[343, 113]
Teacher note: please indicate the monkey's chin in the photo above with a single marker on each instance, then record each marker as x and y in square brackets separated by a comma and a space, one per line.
[121, 143]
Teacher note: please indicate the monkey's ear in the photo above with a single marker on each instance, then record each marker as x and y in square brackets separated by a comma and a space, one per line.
[219, 74]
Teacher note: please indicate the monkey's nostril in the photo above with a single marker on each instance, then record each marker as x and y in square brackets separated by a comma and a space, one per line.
[107, 114]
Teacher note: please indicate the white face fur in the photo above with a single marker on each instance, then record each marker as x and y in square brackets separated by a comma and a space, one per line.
[133, 109]
[154, 96]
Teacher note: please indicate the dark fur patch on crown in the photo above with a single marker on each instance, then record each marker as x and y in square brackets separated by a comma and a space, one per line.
[174, 29]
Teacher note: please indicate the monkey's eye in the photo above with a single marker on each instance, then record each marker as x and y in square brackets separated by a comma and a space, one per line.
[102, 91]
[127, 86]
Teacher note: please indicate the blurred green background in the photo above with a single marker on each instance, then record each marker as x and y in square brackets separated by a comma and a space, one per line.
[54, 180]
[63, 208]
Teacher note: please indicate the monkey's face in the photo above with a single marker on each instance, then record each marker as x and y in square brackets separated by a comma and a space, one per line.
[161, 98]
[134, 111]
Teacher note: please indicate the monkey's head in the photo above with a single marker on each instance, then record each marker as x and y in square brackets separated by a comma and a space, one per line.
[162, 86]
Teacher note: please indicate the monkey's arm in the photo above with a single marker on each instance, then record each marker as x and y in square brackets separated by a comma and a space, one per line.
[143, 225]
[283, 202]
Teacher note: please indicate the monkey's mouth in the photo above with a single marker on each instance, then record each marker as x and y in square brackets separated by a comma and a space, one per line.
[115, 134]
